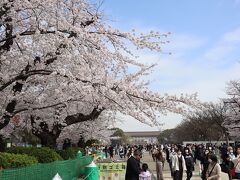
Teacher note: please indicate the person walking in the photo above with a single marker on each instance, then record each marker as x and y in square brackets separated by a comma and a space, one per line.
[110, 150]
[125, 151]
[171, 155]
[214, 170]
[178, 165]
[121, 151]
[159, 164]
[189, 163]
[204, 164]
[231, 153]
[227, 165]
[133, 166]
[106, 151]
[154, 152]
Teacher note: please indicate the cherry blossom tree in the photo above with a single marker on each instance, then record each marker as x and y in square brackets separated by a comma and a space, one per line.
[232, 104]
[98, 129]
[61, 64]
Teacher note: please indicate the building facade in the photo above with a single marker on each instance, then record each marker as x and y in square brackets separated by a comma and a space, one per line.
[143, 137]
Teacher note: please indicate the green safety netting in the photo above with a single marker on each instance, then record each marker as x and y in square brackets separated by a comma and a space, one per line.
[68, 170]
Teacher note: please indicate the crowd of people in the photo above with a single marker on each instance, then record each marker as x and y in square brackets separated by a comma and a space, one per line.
[209, 159]
[212, 160]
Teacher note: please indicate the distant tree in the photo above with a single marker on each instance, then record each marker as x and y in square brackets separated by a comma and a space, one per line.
[203, 125]
[218, 115]
[123, 138]
[167, 136]
[232, 105]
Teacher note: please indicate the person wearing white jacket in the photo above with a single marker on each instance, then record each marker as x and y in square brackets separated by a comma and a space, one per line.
[178, 165]
[171, 155]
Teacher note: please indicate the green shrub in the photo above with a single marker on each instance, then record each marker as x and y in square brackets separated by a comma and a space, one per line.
[70, 153]
[9, 160]
[43, 155]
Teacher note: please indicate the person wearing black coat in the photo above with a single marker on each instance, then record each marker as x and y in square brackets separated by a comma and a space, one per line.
[226, 165]
[133, 166]
[189, 163]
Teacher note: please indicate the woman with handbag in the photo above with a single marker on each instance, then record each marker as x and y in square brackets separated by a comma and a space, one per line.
[214, 169]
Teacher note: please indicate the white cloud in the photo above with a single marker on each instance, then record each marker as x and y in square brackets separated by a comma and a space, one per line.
[219, 52]
[183, 42]
[225, 48]
[233, 36]
[203, 73]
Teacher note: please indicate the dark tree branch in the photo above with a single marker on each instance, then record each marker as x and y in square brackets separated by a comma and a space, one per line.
[38, 108]
[24, 76]
[48, 136]
[26, 33]
[79, 117]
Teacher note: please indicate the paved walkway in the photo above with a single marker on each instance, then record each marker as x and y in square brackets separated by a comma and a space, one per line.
[166, 171]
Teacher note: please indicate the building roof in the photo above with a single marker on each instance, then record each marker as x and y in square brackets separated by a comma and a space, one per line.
[143, 133]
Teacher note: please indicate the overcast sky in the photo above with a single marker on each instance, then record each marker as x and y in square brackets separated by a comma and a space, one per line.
[204, 42]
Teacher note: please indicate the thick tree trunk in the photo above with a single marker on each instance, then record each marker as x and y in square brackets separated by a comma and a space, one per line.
[48, 140]
[2, 144]
[48, 136]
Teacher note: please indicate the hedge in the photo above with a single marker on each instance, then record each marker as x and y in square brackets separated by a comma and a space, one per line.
[70, 153]
[43, 155]
[9, 160]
